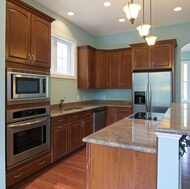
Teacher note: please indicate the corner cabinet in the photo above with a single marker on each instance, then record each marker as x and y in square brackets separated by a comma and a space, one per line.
[86, 67]
[102, 69]
[28, 35]
[120, 69]
[157, 57]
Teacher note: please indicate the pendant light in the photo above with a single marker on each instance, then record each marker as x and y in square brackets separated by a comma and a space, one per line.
[131, 9]
[151, 39]
[143, 28]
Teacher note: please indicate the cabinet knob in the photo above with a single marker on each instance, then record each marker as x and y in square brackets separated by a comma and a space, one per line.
[41, 163]
[29, 57]
[33, 58]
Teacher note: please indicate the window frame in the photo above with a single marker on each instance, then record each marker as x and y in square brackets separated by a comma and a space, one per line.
[73, 42]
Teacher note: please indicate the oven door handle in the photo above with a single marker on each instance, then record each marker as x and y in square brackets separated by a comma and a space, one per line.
[36, 121]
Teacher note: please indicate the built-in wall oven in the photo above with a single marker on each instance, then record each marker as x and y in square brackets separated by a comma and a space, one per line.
[27, 86]
[28, 134]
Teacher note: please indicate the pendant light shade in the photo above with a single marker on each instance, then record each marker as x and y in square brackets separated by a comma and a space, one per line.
[143, 30]
[132, 9]
[151, 40]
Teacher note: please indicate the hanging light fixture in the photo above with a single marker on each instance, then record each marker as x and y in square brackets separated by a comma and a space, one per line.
[151, 39]
[143, 28]
[131, 9]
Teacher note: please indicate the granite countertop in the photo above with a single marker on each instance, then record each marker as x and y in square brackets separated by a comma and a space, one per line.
[88, 105]
[176, 120]
[132, 134]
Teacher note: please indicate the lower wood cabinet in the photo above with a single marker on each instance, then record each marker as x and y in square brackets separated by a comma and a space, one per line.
[59, 141]
[21, 172]
[114, 114]
[68, 131]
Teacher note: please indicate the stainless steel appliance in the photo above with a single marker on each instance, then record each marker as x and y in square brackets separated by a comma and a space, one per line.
[152, 91]
[99, 120]
[24, 86]
[28, 134]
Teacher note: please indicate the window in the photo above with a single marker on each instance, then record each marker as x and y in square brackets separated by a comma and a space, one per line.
[185, 85]
[63, 56]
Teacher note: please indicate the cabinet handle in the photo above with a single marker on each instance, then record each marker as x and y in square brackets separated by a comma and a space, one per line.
[17, 176]
[29, 57]
[60, 120]
[33, 58]
[42, 163]
[60, 127]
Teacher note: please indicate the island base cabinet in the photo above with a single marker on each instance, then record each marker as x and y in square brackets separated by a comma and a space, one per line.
[111, 168]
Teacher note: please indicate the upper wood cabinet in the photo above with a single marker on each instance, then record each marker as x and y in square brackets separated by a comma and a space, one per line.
[86, 67]
[157, 57]
[102, 69]
[28, 35]
[120, 69]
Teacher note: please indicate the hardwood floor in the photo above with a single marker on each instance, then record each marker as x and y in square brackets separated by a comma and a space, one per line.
[68, 174]
[71, 174]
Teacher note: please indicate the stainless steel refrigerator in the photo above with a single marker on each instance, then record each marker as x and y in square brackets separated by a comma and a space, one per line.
[152, 91]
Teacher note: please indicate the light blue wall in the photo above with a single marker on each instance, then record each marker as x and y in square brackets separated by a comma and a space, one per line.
[2, 94]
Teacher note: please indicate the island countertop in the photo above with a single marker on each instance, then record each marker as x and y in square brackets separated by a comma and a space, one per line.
[132, 134]
[176, 120]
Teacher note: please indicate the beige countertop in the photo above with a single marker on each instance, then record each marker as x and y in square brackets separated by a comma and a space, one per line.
[132, 134]
[176, 120]
[139, 135]
[89, 105]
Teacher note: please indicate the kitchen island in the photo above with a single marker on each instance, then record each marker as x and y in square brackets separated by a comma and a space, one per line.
[125, 154]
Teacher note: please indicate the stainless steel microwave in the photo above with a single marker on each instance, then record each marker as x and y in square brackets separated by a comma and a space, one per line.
[24, 86]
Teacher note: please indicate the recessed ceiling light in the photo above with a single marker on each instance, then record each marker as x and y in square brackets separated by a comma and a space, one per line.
[121, 20]
[70, 13]
[177, 9]
[107, 4]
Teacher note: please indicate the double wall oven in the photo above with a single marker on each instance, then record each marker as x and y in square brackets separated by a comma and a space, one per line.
[28, 127]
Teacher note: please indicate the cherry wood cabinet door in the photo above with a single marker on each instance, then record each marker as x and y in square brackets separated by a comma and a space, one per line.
[141, 57]
[86, 67]
[115, 59]
[162, 56]
[74, 136]
[102, 69]
[125, 70]
[40, 42]
[59, 142]
[17, 34]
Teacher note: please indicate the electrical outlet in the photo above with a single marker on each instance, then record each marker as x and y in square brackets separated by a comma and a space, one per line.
[104, 97]
[78, 97]
[84, 97]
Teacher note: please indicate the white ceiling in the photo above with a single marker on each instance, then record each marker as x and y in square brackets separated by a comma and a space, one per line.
[98, 20]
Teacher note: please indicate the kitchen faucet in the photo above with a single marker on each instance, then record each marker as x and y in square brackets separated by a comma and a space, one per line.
[61, 103]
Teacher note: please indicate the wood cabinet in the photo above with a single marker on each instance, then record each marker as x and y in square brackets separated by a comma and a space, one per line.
[102, 69]
[80, 125]
[114, 114]
[28, 35]
[86, 67]
[157, 57]
[59, 138]
[111, 168]
[21, 172]
[120, 69]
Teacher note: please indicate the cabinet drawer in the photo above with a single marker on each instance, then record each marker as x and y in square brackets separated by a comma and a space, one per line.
[76, 116]
[111, 109]
[88, 113]
[27, 170]
[59, 120]
[124, 110]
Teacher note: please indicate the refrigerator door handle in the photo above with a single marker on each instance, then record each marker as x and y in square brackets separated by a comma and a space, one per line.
[150, 98]
[147, 98]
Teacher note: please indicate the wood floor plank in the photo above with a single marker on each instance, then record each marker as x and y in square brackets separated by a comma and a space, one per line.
[71, 174]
